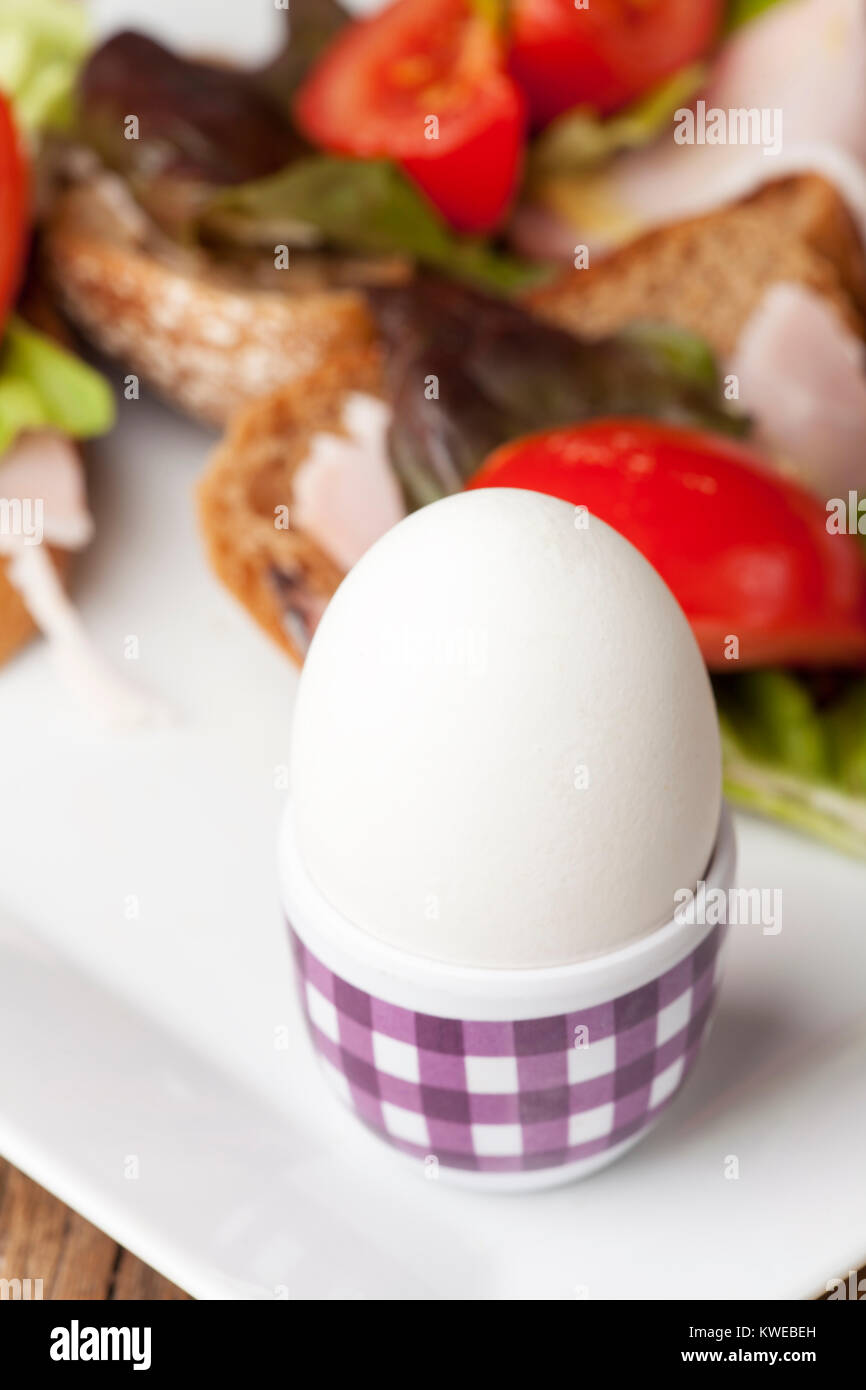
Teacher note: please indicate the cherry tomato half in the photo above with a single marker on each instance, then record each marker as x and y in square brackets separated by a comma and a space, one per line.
[424, 83]
[14, 233]
[606, 54]
[745, 553]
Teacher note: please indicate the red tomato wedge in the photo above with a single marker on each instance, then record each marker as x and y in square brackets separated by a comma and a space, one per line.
[606, 54]
[13, 211]
[424, 68]
[745, 553]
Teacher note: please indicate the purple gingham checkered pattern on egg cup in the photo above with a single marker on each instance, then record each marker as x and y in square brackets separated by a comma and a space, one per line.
[511, 1079]
[500, 1097]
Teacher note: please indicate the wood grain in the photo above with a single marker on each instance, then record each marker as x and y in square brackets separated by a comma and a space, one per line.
[40, 1238]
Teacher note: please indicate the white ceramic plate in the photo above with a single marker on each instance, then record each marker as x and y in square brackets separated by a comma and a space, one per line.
[148, 1022]
[156, 1076]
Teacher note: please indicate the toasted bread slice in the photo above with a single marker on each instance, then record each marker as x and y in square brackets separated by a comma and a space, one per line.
[709, 273]
[280, 575]
[208, 342]
[16, 624]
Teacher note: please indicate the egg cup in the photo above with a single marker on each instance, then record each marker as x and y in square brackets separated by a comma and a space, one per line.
[500, 1079]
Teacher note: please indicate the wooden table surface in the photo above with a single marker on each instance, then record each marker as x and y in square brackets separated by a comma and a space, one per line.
[40, 1238]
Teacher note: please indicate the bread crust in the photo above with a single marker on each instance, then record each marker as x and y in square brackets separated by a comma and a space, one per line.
[708, 274]
[249, 480]
[207, 346]
[16, 625]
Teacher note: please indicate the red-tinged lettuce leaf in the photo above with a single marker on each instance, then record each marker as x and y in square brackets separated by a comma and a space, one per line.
[311, 25]
[467, 372]
[196, 121]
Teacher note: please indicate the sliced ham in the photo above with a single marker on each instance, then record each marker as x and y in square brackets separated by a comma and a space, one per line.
[42, 472]
[346, 495]
[44, 468]
[802, 380]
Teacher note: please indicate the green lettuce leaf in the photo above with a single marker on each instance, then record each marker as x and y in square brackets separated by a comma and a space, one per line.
[366, 206]
[846, 737]
[42, 46]
[42, 386]
[797, 754]
[688, 358]
[580, 140]
[743, 11]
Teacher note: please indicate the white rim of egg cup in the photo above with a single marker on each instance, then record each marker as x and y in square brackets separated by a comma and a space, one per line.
[480, 993]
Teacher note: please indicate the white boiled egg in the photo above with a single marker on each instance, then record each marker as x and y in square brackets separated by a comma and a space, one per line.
[505, 748]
